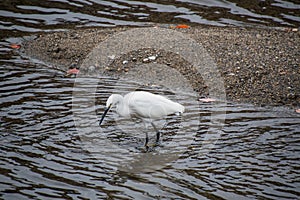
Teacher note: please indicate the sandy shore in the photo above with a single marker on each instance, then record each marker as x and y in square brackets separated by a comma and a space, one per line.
[259, 66]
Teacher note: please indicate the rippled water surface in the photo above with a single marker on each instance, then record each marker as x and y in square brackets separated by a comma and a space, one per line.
[52, 147]
[247, 152]
[34, 16]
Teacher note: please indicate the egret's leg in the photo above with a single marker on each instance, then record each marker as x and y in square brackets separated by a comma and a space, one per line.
[157, 137]
[157, 132]
[146, 141]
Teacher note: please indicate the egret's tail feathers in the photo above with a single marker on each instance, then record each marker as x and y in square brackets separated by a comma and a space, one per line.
[178, 113]
[179, 108]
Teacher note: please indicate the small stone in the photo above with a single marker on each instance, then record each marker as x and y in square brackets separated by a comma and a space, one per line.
[145, 60]
[258, 36]
[294, 29]
[56, 49]
[92, 68]
[152, 57]
[112, 57]
[125, 62]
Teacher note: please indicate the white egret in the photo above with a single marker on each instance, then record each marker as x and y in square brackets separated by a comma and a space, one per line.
[143, 105]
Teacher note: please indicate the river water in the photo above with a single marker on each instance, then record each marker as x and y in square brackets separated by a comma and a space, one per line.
[51, 144]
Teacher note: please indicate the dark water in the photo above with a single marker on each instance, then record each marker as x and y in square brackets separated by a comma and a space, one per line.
[51, 144]
[27, 16]
[254, 153]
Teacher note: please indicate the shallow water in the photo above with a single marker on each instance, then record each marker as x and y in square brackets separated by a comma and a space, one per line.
[27, 17]
[52, 147]
[51, 144]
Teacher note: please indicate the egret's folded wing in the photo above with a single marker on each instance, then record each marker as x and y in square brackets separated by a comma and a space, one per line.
[153, 106]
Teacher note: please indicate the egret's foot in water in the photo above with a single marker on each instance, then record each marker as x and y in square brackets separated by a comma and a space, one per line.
[149, 147]
[145, 149]
[158, 144]
[152, 146]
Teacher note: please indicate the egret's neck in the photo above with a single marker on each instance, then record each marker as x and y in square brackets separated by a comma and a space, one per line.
[121, 108]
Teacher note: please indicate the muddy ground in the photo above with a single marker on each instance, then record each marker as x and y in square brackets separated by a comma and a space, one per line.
[259, 66]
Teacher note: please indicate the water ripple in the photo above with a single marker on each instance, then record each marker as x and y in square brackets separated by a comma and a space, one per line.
[59, 14]
[52, 147]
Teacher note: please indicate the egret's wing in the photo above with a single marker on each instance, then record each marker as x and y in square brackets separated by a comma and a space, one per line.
[145, 109]
[147, 105]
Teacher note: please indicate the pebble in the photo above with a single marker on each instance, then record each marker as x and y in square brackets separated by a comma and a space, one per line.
[258, 36]
[112, 57]
[92, 68]
[152, 57]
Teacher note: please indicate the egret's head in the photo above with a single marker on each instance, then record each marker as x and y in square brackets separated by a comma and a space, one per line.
[114, 99]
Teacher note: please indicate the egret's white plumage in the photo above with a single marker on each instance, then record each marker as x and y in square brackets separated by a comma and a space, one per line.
[144, 105]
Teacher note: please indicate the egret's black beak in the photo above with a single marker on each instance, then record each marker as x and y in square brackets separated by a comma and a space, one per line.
[105, 112]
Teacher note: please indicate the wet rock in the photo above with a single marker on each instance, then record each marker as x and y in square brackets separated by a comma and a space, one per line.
[92, 68]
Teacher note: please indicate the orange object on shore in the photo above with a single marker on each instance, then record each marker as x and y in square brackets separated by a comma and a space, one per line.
[15, 46]
[73, 71]
[182, 26]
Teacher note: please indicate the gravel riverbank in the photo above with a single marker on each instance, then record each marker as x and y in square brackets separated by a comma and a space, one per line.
[259, 66]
